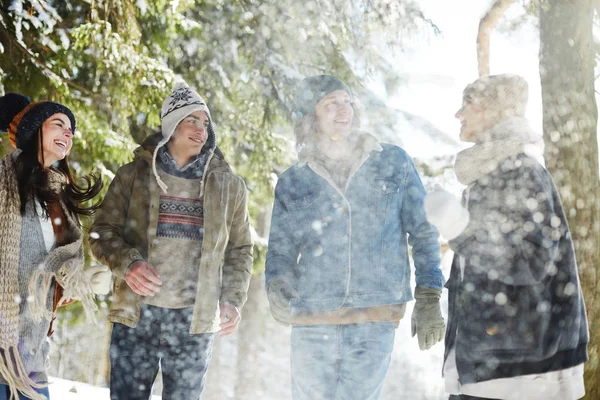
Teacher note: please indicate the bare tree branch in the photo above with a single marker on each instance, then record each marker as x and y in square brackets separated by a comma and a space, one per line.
[486, 26]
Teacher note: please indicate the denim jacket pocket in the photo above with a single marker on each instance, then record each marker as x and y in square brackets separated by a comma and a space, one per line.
[384, 186]
[302, 201]
[384, 198]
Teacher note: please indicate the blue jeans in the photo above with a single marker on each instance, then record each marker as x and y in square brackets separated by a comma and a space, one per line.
[162, 336]
[340, 362]
[5, 393]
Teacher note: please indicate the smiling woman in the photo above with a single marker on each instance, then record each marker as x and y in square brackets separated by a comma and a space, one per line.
[41, 257]
[56, 138]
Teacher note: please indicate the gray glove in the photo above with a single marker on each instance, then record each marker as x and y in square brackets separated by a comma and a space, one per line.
[426, 321]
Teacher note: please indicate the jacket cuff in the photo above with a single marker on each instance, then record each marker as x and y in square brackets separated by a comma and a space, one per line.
[131, 256]
[427, 293]
[231, 303]
[233, 297]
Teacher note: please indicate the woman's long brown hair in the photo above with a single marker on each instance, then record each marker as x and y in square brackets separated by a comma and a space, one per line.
[32, 180]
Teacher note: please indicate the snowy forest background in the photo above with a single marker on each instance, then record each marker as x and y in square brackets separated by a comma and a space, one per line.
[114, 61]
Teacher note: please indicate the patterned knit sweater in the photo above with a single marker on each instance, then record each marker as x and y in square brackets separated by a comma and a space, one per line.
[178, 248]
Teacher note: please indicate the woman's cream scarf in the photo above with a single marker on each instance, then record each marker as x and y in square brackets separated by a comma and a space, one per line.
[506, 139]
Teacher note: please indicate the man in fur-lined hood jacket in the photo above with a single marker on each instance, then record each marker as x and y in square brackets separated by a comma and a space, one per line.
[517, 327]
[174, 230]
[337, 267]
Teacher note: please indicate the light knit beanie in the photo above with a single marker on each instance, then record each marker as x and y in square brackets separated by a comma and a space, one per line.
[181, 102]
[505, 95]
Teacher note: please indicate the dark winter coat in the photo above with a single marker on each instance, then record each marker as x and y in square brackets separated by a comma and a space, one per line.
[518, 308]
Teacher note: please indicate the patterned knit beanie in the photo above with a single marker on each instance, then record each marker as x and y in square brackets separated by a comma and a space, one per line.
[23, 119]
[313, 88]
[182, 102]
[504, 94]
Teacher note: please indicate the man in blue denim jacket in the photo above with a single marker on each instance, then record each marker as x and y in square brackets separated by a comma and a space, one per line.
[337, 268]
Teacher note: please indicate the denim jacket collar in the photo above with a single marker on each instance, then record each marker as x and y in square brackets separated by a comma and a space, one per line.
[367, 143]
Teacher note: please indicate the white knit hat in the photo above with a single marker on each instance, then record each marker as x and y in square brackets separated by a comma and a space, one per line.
[505, 94]
[182, 102]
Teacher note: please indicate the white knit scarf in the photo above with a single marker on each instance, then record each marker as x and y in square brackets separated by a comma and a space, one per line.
[506, 139]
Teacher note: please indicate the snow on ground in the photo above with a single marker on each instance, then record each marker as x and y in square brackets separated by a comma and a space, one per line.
[62, 389]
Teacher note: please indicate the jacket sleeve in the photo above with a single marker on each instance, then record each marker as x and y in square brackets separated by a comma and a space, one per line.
[514, 230]
[423, 236]
[282, 255]
[65, 265]
[64, 260]
[237, 263]
[106, 238]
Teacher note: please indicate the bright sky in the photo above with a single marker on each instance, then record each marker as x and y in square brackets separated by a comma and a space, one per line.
[438, 68]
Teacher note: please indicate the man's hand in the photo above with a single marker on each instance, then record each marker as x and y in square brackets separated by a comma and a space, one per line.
[143, 278]
[230, 319]
[427, 321]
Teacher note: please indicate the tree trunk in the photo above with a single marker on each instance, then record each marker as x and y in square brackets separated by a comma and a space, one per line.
[570, 135]
[5, 146]
[486, 26]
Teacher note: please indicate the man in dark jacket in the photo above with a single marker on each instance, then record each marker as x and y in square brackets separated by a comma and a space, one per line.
[174, 230]
[337, 267]
[517, 327]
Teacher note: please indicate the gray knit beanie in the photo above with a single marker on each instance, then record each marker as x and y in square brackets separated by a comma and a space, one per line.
[313, 88]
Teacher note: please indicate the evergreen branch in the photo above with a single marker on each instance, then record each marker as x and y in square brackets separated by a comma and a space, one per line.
[46, 69]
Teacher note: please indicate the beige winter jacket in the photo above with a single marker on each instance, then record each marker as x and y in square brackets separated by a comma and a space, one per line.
[127, 222]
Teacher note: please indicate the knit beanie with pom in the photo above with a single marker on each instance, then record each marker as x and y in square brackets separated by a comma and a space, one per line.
[22, 119]
[182, 102]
